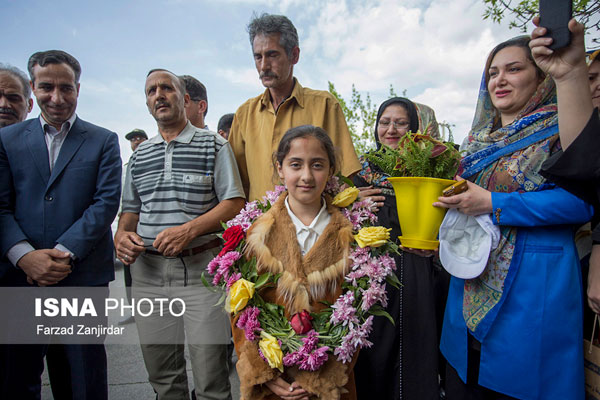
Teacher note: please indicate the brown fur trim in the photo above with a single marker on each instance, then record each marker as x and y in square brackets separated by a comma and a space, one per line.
[293, 293]
[253, 372]
[304, 280]
[321, 282]
[327, 382]
[255, 244]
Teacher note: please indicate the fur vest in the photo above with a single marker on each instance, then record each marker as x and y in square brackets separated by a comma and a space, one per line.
[304, 282]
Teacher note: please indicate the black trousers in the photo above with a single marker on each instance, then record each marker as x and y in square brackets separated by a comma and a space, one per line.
[75, 371]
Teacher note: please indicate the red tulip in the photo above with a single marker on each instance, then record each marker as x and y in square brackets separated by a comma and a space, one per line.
[301, 322]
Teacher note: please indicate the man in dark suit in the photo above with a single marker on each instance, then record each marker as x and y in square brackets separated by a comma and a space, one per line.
[60, 181]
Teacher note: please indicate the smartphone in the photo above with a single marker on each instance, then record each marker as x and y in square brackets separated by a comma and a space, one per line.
[555, 16]
[456, 188]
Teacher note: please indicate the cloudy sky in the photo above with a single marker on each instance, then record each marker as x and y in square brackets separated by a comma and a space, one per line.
[433, 49]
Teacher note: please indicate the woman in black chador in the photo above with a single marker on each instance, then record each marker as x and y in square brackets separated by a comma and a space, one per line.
[404, 361]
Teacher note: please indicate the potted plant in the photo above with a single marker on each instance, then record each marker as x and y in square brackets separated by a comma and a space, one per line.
[419, 169]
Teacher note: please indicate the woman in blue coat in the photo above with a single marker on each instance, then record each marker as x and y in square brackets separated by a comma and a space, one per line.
[515, 330]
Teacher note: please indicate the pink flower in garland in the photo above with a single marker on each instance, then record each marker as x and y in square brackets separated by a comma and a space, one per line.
[309, 344]
[388, 263]
[376, 269]
[213, 265]
[248, 321]
[359, 256]
[344, 352]
[308, 357]
[232, 279]
[310, 340]
[333, 185]
[361, 212]
[343, 311]
[224, 265]
[365, 330]
[353, 276]
[315, 359]
[247, 216]
[356, 338]
[375, 293]
[291, 359]
[272, 196]
[217, 279]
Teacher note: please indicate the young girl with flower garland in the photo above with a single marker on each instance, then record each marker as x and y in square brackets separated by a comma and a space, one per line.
[307, 240]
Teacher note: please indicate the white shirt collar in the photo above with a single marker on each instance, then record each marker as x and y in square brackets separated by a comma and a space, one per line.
[64, 129]
[308, 235]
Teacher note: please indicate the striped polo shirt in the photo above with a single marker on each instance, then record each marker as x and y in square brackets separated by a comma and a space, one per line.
[169, 184]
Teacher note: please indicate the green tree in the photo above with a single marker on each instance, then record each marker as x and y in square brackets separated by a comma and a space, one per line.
[523, 11]
[360, 114]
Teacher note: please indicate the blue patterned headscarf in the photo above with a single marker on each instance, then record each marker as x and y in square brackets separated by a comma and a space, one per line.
[505, 159]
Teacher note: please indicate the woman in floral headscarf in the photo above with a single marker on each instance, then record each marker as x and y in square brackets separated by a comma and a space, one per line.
[515, 331]
[403, 361]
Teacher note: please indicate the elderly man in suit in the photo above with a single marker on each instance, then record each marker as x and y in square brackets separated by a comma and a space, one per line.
[60, 181]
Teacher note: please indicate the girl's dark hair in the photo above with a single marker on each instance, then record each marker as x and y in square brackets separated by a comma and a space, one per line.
[519, 41]
[301, 132]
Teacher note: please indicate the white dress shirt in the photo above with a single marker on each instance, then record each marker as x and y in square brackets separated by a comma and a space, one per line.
[55, 138]
[308, 235]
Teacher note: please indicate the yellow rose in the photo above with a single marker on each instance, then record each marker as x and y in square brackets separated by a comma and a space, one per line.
[372, 236]
[346, 197]
[269, 346]
[239, 294]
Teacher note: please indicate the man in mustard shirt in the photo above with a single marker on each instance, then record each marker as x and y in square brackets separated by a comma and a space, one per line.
[261, 122]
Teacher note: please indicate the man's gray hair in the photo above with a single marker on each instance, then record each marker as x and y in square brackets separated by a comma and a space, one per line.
[19, 75]
[195, 89]
[269, 24]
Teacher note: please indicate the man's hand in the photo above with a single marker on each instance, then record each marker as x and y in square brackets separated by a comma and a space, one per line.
[286, 390]
[45, 266]
[172, 241]
[129, 245]
[593, 288]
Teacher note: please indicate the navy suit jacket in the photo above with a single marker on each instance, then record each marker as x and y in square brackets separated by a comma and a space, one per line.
[74, 205]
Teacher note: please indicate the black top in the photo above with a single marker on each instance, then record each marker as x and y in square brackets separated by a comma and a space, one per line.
[577, 169]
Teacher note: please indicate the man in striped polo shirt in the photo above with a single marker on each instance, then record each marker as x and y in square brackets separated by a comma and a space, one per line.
[179, 186]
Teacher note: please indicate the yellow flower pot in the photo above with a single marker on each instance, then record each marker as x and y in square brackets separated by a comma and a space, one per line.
[419, 220]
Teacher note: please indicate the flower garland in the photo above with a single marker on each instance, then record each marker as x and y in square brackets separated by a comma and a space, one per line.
[307, 340]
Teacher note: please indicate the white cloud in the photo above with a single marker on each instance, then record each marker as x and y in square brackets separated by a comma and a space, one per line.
[453, 104]
[245, 77]
[436, 51]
